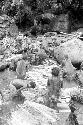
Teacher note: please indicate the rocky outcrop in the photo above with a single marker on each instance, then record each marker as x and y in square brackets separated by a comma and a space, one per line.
[33, 114]
[61, 23]
[7, 27]
[8, 93]
[18, 83]
[73, 48]
[21, 69]
[9, 63]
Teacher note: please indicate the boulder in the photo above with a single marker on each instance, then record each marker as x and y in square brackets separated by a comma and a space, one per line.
[13, 30]
[22, 84]
[3, 66]
[41, 56]
[33, 113]
[7, 27]
[61, 23]
[68, 69]
[7, 94]
[80, 30]
[21, 69]
[73, 48]
[15, 57]
[18, 83]
[45, 22]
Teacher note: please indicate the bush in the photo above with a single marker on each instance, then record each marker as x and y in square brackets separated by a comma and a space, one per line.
[25, 13]
[24, 18]
[8, 9]
[22, 15]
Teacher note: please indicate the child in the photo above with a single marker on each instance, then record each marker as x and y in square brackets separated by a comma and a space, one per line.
[54, 85]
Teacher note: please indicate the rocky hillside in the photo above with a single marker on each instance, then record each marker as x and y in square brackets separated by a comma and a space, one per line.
[35, 37]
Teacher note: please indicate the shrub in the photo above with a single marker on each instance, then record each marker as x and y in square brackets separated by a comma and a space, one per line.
[24, 18]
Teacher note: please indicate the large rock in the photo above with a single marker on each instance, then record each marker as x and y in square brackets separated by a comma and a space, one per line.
[16, 2]
[15, 57]
[13, 30]
[3, 66]
[8, 93]
[7, 27]
[61, 23]
[18, 83]
[73, 48]
[45, 22]
[21, 84]
[80, 30]
[56, 22]
[21, 69]
[33, 114]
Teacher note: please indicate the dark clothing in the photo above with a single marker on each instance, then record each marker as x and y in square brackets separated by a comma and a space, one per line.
[54, 86]
[72, 119]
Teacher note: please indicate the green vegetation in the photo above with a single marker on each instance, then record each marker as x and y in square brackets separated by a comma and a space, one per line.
[28, 14]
